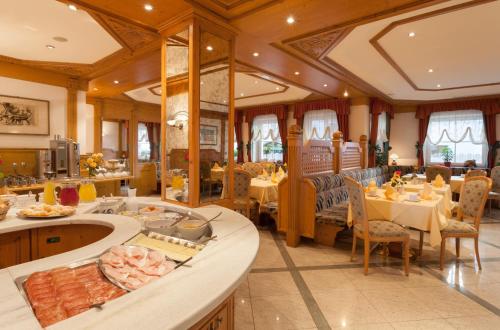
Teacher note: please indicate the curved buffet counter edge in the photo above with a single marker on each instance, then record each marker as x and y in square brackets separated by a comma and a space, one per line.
[177, 301]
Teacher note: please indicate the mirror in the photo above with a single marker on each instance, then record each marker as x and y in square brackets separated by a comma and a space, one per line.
[214, 115]
[177, 118]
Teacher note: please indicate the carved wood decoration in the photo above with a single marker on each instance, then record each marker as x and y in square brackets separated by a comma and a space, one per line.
[294, 183]
[318, 45]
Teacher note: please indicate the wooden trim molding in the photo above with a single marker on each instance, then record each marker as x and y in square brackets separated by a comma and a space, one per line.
[376, 44]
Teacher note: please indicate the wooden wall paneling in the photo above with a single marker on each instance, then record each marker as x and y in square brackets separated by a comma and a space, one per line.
[71, 110]
[163, 153]
[194, 113]
[28, 156]
[97, 125]
[294, 184]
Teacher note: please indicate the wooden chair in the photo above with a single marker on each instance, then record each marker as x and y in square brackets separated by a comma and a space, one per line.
[495, 190]
[473, 196]
[373, 230]
[241, 201]
[432, 171]
[472, 173]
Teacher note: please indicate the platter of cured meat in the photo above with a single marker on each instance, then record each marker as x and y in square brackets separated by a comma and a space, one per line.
[131, 267]
[60, 293]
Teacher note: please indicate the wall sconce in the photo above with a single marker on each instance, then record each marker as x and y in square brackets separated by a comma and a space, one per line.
[178, 120]
[394, 158]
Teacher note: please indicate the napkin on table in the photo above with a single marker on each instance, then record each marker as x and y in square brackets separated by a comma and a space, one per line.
[389, 192]
[372, 185]
[274, 178]
[438, 181]
[427, 192]
[264, 173]
[216, 166]
[281, 173]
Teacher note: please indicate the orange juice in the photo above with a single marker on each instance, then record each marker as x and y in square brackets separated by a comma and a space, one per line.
[49, 193]
[87, 191]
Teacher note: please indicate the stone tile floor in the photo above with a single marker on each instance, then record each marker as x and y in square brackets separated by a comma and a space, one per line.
[318, 287]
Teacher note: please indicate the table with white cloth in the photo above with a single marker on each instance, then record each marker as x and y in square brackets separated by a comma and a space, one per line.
[455, 182]
[217, 174]
[425, 215]
[264, 191]
[445, 191]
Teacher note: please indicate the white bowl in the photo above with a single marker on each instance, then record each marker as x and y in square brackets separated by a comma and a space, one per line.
[192, 229]
[151, 210]
[163, 227]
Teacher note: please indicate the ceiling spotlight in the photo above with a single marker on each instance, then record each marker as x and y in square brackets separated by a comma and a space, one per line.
[255, 54]
[50, 46]
[346, 93]
[438, 86]
[242, 94]
[148, 7]
[277, 88]
[255, 82]
[202, 83]
[296, 73]
[72, 7]
[225, 101]
[325, 85]
[210, 48]
[430, 70]
[116, 82]
[95, 88]
[290, 19]
[411, 34]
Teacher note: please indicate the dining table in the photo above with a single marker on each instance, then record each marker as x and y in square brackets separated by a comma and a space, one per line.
[264, 190]
[217, 174]
[456, 181]
[422, 214]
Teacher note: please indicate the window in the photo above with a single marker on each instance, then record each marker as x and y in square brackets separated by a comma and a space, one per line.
[461, 131]
[382, 130]
[320, 124]
[266, 141]
[143, 145]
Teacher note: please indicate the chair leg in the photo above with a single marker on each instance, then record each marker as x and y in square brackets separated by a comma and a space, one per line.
[353, 254]
[406, 256]
[443, 250]
[489, 213]
[421, 243]
[476, 250]
[457, 247]
[366, 257]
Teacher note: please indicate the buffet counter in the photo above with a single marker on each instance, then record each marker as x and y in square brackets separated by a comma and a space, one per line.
[178, 300]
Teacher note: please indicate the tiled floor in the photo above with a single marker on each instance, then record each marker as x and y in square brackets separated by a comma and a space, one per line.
[318, 287]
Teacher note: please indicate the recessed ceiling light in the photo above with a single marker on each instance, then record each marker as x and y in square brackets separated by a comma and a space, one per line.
[438, 86]
[430, 70]
[148, 7]
[296, 73]
[116, 82]
[210, 48]
[255, 54]
[95, 88]
[255, 82]
[346, 93]
[50, 46]
[242, 94]
[325, 85]
[225, 101]
[72, 7]
[411, 34]
[202, 83]
[277, 88]
[290, 19]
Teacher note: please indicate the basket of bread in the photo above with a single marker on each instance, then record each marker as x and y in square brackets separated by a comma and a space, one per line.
[4, 208]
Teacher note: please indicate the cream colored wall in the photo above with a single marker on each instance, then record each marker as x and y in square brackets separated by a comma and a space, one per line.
[404, 135]
[85, 124]
[359, 121]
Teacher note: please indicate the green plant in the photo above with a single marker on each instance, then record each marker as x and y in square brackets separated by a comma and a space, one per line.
[446, 154]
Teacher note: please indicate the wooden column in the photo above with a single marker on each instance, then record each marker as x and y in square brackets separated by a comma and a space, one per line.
[295, 145]
[337, 153]
[98, 125]
[363, 143]
[71, 110]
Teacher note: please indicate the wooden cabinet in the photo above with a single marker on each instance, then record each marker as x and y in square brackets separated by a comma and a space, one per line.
[14, 248]
[221, 318]
[49, 241]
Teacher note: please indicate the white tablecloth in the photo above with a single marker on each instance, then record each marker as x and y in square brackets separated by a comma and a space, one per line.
[455, 182]
[444, 191]
[217, 174]
[426, 215]
[263, 191]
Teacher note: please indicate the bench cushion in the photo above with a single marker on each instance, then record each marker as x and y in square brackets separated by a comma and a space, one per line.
[335, 215]
[383, 228]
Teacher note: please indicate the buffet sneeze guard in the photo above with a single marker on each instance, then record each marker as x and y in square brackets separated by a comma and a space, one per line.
[197, 123]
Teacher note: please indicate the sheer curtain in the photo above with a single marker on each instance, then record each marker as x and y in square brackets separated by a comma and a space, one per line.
[462, 131]
[382, 129]
[266, 140]
[320, 124]
[143, 145]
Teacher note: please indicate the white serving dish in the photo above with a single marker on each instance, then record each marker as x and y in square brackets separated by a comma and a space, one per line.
[199, 229]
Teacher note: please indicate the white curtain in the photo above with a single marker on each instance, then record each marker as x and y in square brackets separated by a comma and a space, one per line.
[462, 131]
[382, 129]
[320, 124]
[264, 131]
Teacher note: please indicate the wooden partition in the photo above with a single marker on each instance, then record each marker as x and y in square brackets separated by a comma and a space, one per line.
[297, 193]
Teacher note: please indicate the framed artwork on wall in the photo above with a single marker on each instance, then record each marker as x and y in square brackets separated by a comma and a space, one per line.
[208, 135]
[24, 116]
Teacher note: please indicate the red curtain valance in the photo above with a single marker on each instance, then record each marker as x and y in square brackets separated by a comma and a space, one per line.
[280, 110]
[487, 106]
[378, 106]
[341, 107]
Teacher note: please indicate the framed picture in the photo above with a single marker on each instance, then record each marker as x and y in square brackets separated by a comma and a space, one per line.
[24, 116]
[208, 135]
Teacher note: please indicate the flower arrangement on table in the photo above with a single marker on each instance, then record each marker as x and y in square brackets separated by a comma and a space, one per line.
[93, 163]
[396, 180]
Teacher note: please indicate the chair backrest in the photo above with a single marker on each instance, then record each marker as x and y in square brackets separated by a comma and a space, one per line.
[473, 196]
[472, 173]
[495, 177]
[242, 181]
[205, 170]
[432, 171]
[254, 169]
[357, 203]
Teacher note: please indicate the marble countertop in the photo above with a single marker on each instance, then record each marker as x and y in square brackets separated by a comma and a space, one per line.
[176, 301]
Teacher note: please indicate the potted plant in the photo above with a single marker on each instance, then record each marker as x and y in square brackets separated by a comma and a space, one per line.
[447, 155]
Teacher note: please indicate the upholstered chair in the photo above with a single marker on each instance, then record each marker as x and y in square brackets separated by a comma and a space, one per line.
[373, 230]
[473, 196]
[254, 169]
[242, 202]
[495, 190]
[472, 173]
[432, 171]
